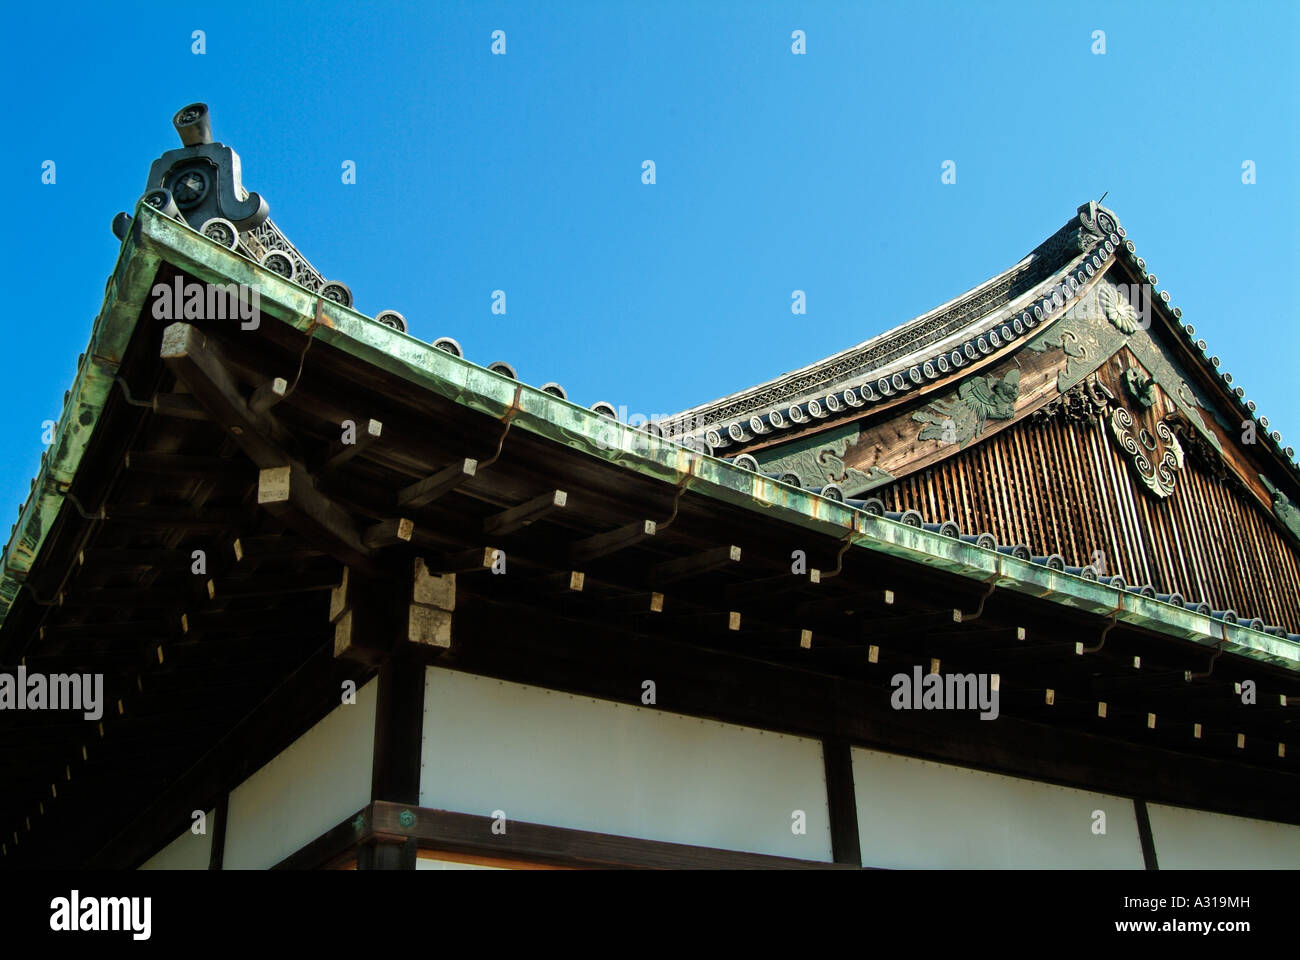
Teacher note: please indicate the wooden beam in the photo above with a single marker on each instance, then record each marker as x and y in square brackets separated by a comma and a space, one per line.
[473, 560]
[713, 559]
[765, 587]
[181, 516]
[388, 532]
[288, 493]
[283, 548]
[181, 406]
[285, 487]
[272, 585]
[468, 833]
[343, 452]
[176, 465]
[200, 363]
[429, 489]
[268, 395]
[911, 625]
[101, 557]
[508, 521]
[611, 541]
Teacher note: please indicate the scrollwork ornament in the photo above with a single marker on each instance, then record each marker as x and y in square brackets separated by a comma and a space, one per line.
[1158, 472]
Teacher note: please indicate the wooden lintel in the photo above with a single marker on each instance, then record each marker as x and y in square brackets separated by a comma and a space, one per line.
[471, 833]
[611, 541]
[712, 559]
[429, 489]
[508, 521]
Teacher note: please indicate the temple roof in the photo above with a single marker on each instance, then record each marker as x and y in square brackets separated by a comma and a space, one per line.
[947, 343]
[970, 331]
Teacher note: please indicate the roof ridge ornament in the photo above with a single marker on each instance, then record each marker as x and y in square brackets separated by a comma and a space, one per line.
[201, 185]
[1101, 222]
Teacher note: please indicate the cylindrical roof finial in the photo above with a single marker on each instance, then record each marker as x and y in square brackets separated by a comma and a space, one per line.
[193, 124]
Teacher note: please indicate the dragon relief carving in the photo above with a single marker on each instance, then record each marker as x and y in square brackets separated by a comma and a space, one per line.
[822, 459]
[962, 418]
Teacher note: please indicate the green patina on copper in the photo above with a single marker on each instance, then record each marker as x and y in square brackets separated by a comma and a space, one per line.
[479, 389]
[126, 293]
[823, 458]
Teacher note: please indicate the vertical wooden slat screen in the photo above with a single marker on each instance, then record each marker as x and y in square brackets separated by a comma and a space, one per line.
[1062, 486]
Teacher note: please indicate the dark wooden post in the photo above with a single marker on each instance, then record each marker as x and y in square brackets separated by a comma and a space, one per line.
[386, 624]
[841, 801]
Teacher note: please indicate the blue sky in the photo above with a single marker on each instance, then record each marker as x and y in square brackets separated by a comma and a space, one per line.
[774, 172]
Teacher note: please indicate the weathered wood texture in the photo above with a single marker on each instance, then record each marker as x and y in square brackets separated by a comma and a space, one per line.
[1063, 486]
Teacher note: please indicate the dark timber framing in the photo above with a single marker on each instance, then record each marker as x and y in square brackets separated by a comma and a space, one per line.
[841, 802]
[221, 815]
[1144, 834]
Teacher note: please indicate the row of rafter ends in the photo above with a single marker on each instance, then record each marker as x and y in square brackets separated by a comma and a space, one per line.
[987, 541]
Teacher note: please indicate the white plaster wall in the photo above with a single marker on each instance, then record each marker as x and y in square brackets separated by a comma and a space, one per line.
[1199, 840]
[320, 779]
[424, 863]
[572, 761]
[189, 851]
[916, 813]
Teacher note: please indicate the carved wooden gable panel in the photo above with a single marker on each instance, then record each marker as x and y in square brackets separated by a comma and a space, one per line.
[1091, 441]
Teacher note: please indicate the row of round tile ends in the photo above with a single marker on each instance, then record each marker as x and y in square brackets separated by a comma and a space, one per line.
[918, 374]
[912, 518]
[1215, 362]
